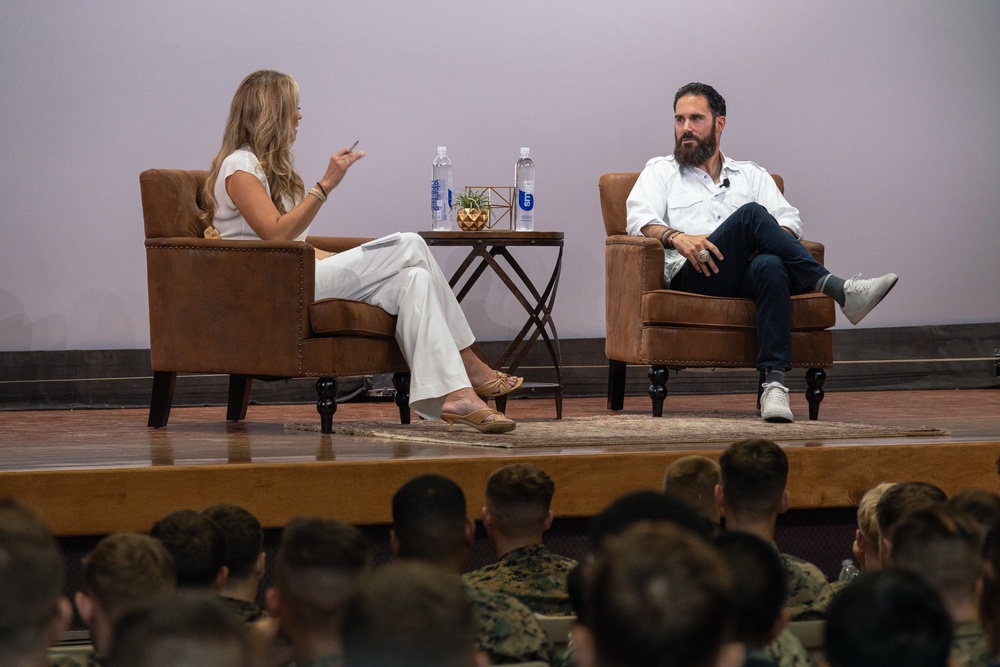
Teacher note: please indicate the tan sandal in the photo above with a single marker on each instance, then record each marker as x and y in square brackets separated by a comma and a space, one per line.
[498, 386]
[477, 420]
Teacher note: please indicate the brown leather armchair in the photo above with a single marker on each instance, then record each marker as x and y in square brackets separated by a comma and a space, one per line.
[665, 329]
[247, 309]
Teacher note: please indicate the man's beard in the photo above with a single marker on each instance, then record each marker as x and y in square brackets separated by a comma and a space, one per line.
[698, 154]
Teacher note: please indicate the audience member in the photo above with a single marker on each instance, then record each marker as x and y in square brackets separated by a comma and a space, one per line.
[33, 611]
[245, 559]
[887, 617]
[518, 498]
[943, 546]
[656, 507]
[124, 571]
[866, 542]
[983, 506]
[896, 503]
[657, 596]
[751, 495]
[316, 570]
[198, 546]
[989, 598]
[188, 629]
[430, 524]
[410, 614]
[693, 479]
[759, 593]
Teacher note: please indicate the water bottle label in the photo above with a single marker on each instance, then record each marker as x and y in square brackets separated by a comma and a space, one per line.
[525, 200]
[437, 204]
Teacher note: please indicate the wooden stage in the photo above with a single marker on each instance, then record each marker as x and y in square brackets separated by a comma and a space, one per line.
[90, 472]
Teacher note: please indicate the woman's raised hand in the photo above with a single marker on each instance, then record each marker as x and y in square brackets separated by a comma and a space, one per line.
[339, 164]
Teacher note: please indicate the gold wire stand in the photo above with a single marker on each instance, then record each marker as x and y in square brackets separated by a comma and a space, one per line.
[501, 198]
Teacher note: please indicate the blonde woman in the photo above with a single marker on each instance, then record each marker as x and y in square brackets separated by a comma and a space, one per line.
[254, 192]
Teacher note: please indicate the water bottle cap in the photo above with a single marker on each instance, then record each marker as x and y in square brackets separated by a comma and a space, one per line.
[442, 150]
[524, 150]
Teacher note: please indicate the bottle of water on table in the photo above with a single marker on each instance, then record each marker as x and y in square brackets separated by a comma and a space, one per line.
[441, 187]
[524, 181]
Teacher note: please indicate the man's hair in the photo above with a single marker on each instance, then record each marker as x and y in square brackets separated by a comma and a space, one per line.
[638, 506]
[197, 544]
[409, 614]
[125, 569]
[693, 479]
[317, 568]
[867, 521]
[32, 572]
[429, 518]
[715, 101]
[983, 506]
[943, 545]
[659, 596]
[761, 586]
[888, 617]
[244, 537]
[754, 473]
[518, 497]
[902, 499]
[187, 629]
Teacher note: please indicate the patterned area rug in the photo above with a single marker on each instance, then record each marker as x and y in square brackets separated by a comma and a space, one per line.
[624, 430]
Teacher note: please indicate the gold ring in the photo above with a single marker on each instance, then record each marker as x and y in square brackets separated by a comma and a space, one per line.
[703, 256]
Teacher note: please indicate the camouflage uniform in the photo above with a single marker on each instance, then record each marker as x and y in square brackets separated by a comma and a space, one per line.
[968, 645]
[788, 651]
[89, 659]
[506, 629]
[248, 612]
[329, 660]
[532, 574]
[808, 589]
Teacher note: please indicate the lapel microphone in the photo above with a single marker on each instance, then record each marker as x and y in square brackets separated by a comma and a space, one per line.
[725, 183]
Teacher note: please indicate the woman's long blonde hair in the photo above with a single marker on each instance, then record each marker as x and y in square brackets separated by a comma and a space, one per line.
[261, 117]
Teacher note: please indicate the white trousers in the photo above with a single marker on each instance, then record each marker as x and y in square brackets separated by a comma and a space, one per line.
[398, 274]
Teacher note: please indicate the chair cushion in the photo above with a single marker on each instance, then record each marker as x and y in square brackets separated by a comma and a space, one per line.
[345, 317]
[810, 312]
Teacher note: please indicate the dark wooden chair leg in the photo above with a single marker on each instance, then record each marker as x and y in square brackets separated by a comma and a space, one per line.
[326, 406]
[401, 382]
[815, 379]
[162, 398]
[239, 397]
[658, 376]
[501, 403]
[616, 384]
[760, 388]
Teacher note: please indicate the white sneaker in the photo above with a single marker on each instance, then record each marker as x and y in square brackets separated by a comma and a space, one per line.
[862, 295]
[774, 403]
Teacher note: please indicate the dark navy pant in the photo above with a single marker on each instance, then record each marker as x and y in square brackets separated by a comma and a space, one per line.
[762, 262]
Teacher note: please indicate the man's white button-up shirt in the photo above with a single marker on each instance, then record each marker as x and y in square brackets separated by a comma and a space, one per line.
[687, 199]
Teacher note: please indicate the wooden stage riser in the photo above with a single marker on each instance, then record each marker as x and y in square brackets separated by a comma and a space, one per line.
[99, 501]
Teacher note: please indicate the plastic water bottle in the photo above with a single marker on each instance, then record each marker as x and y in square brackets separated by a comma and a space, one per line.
[848, 570]
[441, 187]
[524, 181]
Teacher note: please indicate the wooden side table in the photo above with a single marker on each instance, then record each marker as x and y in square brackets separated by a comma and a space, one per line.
[492, 249]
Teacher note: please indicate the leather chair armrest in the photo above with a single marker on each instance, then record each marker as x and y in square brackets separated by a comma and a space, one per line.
[633, 265]
[228, 306]
[816, 249]
[335, 243]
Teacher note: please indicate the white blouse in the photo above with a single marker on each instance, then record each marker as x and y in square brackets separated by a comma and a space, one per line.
[228, 221]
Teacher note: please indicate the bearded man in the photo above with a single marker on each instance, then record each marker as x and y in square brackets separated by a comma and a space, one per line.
[728, 231]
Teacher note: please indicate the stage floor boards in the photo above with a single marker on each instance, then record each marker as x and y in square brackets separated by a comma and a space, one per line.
[90, 471]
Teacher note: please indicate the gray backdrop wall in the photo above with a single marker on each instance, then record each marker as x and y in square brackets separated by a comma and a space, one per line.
[881, 116]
